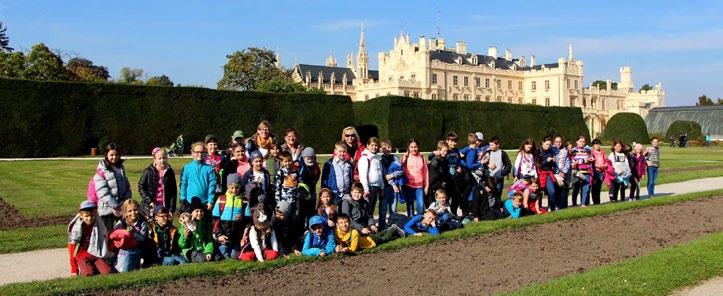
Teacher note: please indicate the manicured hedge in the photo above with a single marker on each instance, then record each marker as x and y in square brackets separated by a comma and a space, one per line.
[401, 118]
[60, 118]
[626, 127]
[680, 127]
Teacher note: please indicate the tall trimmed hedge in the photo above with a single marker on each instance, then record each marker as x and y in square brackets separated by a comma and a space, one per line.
[400, 118]
[43, 119]
[680, 127]
[626, 127]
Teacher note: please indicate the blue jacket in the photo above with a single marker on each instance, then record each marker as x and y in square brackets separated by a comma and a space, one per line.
[328, 177]
[514, 212]
[313, 245]
[198, 180]
[396, 168]
[414, 225]
[472, 162]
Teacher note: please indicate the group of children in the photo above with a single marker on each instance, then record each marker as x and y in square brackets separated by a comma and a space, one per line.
[258, 200]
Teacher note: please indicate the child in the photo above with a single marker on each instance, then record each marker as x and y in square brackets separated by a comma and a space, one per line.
[271, 162]
[198, 180]
[87, 242]
[213, 157]
[287, 184]
[622, 171]
[582, 161]
[287, 233]
[239, 163]
[415, 168]
[165, 236]
[227, 219]
[438, 171]
[337, 173]
[638, 167]
[447, 220]
[487, 206]
[348, 240]
[598, 176]
[525, 161]
[420, 224]
[470, 163]
[261, 238]
[513, 206]
[395, 178]
[319, 240]
[157, 185]
[256, 183]
[309, 174]
[356, 208]
[652, 159]
[196, 242]
[530, 196]
[326, 209]
[455, 172]
[520, 186]
[129, 237]
[371, 173]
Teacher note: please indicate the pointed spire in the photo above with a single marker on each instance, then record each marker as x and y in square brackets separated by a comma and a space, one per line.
[362, 60]
[362, 43]
[569, 53]
[277, 58]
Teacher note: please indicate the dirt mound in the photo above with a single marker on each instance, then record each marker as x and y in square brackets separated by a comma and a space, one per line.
[497, 262]
[11, 218]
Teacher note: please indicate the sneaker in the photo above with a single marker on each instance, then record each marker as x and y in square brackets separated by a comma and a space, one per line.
[466, 220]
[398, 230]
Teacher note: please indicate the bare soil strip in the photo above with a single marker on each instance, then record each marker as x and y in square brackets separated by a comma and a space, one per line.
[11, 218]
[485, 264]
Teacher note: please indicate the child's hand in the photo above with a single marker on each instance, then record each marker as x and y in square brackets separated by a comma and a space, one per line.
[209, 207]
[374, 228]
[322, 254]
[338, 248]
[297, 253]
[222, 239]
[73, 274]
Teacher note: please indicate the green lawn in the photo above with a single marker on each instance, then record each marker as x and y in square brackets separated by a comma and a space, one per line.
[658, 273]
[161, 274]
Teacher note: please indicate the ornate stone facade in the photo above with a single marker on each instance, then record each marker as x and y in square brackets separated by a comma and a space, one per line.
[429, 70]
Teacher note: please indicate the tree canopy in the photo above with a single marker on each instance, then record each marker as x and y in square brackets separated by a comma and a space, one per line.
[247, 68]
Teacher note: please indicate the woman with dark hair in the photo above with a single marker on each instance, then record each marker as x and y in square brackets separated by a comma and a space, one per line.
[546, 168]
[111, 185]
[291, 144]
[525, 161]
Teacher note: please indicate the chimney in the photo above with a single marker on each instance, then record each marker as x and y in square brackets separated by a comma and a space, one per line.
[533, 61]
[461, 47]
[492, 51]
[508, 55]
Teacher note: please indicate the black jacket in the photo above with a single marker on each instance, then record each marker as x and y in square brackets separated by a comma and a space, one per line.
[438, 173]
[148, 184]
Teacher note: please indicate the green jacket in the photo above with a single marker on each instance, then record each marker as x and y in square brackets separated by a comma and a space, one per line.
[199, 240]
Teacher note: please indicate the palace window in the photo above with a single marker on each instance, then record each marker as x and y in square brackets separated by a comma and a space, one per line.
[455, 97]
[534, 101]
[466, 81]
[533, 86]
[413, 76]
[499, 98]
[434, 96]
[509, 84]
[466, 97]
[519, 100]
[487, 83]
[572, 101]
[478, 98]
[604, 104]
[519, 85]
[406, 93]
[547, 102]
[476, 82]
[568, 82]
[575, 84]
[509, 100]
[454, 80]
[487, 98]
[434, 78]
[499, 83]
[547, 85]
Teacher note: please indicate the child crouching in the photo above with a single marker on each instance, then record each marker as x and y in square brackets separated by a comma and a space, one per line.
[196, 242]
[319, 240]
[419, 224]
[261, 243]
[165, 236]
[87, 242]
[348, 240]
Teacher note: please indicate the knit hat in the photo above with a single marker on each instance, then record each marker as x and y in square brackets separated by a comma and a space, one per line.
[195, 204]
[237, 134]
[285, 208]
[87, 205]
[233, 180]
[308, 152]
[254, 155]
[479, 136]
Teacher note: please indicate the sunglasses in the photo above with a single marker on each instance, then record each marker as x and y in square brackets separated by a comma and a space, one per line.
[349, 136]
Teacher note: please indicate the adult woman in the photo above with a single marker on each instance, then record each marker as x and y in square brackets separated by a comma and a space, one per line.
[292, 145]
[158, 184]
[111, 185]
[238, 163]
[525, 161]
[354, 147]
[546, 168]
[415, 168]
[261, 140]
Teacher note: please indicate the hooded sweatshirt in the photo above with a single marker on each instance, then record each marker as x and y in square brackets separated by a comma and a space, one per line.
[313, 244]
[198, 180]
[97, 240]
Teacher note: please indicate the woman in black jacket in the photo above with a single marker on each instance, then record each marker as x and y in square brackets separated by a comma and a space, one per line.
[153, 195]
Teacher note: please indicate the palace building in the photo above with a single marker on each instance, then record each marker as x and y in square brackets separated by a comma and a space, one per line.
[429, 69]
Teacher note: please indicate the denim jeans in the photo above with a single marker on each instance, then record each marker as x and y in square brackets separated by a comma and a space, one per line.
[550, 187]
[415, 199]
[652, 177]
[581, 186]
[387, 201]
[229, 250]
[128, 259]
[173, 260]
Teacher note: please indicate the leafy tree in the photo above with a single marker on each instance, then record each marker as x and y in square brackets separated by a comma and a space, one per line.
[704, 101]
[161, 80]
[12, 65]
[600, 84]
[83, 69]
[130, 76]
[285, 85]
[4, 40]
[646, 87]
[43, 64]
[246, 69]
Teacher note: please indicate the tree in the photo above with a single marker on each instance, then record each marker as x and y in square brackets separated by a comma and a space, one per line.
[43, 64]
[285, 85]
[12, 65]
[600, 84]
[83, 69]
[245, 69]
[704, 101]
[646, 87]
[4, 40]
[161, 80]
[130, 76]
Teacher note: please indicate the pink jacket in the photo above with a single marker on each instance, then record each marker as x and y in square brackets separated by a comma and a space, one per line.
[415, 167]
[609, 174]
[600, 159]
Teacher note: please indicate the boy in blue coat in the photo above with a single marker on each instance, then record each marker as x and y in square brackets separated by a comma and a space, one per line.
[319, 240]
[337, 174]
[419, 224]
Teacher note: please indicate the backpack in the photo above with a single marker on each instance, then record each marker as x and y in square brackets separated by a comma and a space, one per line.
[91, 195]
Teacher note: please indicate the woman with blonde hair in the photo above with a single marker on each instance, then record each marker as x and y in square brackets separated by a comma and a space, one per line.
[354, 147]
[262, 140]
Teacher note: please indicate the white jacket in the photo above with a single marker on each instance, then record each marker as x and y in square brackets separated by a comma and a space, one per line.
[371, 171]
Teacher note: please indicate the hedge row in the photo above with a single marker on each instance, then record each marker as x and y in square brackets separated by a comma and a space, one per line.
[626, 127]
[44, 119]
[401, 118]
[680, 127]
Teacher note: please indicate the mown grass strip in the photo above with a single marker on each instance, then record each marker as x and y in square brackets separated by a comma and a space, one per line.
[162, 274]
[658, 273]
[36, 238]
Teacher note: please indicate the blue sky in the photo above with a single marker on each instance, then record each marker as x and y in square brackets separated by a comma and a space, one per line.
[679, 43]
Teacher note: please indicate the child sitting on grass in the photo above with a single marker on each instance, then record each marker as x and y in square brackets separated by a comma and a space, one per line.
[165, 237]
[261, 238]
[87, 242]
[420, 224]
[513, 206]
[129, 237]
[348, 240]
[530, 196]
[195, 242]
[356, 208]
[447, 220]
[319, 240]
[326, 209]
